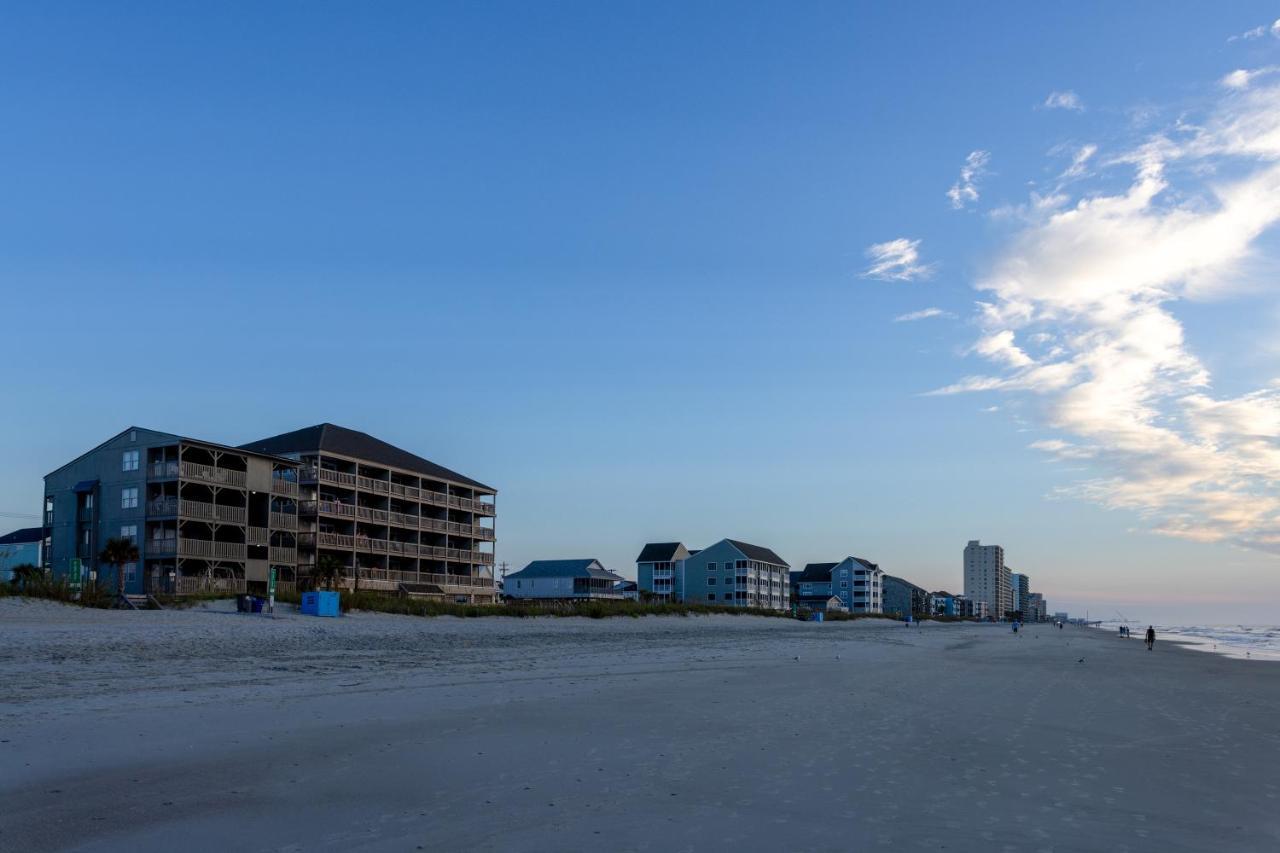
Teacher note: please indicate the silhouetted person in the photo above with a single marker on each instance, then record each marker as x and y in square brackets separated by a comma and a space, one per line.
[1151, 636]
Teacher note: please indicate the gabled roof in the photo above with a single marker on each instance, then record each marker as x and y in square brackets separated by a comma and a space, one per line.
[758, 552]
[942, 593]
[358, 445]
[172, 437]
[659, 552]
[891, 579]
[816, 573]
[577, 568]
[867, 563]
[22, 536]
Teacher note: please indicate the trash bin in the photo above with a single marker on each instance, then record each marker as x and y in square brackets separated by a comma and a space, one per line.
[320, 604]
[257, 604]
[242, 603]
[817, 617]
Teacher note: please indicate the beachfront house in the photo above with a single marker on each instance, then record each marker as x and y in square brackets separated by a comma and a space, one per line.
[660, 570]
[942, 603]
[731, 573]
[903, 598]
[566, 580]
[855, 583]
[630, 590]
[24, 547]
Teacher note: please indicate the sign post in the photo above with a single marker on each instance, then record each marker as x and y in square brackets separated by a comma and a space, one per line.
[74, 575]
[271, 592]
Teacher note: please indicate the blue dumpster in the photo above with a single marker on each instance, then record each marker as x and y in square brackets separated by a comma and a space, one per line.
[320, 604]
[817, 617]
[257, 604]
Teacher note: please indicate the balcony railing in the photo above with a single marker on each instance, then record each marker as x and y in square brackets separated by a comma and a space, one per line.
[335, 540]
[258, 536]
[371, 485]
[281, 486]
[334, 508]
[162, 506]
[211, 550]
[288, 556]
[370, 545]
[370, 514]
[160, 547]
[392, 576]
[213, 474]
[163, 470]
[192, 586]
[212, 512]
[324, 475]
[284, 521]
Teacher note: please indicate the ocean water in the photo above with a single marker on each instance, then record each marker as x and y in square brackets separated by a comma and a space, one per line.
[1260, 642]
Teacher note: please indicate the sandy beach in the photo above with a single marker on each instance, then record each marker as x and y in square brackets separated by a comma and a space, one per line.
[206, 730]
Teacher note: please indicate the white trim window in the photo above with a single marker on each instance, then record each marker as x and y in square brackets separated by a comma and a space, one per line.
[129, 498]
[129, 461]
[129, 531]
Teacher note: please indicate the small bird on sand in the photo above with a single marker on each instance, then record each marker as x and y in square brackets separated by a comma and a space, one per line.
[1080, 661]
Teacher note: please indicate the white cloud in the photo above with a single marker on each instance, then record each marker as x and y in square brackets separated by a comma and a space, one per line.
[1241, 78]
[923, 314]
[1080, 161]
[1066, 100]
[896, 260]
[965, 189]
[1258, 32]
[1094, 285]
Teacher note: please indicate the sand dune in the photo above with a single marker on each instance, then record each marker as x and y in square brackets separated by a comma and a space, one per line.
[208, 730]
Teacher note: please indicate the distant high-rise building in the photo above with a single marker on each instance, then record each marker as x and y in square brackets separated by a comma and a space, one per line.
[1019, 590]
[986, 577]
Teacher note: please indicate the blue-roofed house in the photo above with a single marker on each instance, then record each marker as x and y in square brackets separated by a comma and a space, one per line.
[578, 579]
[21, 547]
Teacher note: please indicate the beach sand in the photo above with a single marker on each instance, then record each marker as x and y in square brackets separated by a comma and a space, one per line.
[207, 730]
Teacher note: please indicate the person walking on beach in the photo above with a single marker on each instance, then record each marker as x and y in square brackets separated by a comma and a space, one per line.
[1151, 636]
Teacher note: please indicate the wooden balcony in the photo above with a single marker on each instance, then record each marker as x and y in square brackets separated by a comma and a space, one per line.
[287, 556]
[334, 508]
[213, 474]
[281, 486]
[162, 506]
[160, 548]
[448, 582]
[335, 540]
[194, 586]
[206, 550]
[370, 514]
[212, 512]
[284, 521]
[163, 471]
[324, 475]
[371, 485]
[258, 536]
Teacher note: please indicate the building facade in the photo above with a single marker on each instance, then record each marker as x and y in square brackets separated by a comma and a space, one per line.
[660, 570]
[986, 577]
[856, 583]
[1036, 610]
[1019, 589]
[204, 516]
[390, 519]
[564, 580]
[903, 598]
[728, 574]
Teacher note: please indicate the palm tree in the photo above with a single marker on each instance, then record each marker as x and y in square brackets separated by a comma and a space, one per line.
[326, 572]
[24, 575]
[117, 553]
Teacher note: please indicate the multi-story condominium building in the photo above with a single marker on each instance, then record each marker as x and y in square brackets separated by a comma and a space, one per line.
[1019, 589]
[203, 515]
[986, 577]
[729, 573]
[942, 603]
[904, 598]
[660, 570]
[858, 584]
[1035, 608]
[392, 519]
[969, 609]
[567, 580]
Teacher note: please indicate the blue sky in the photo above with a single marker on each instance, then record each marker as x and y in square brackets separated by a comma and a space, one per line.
[612, 259]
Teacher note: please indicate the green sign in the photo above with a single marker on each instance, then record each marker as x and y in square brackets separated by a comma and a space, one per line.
[74, 573]
[271, 581]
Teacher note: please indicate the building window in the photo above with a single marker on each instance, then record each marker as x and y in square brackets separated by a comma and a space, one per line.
[88, 501]
[844, 573]
[129, 461]
[711, 581]
[129, 498]
[844, 584]
[130, 571]
[133, 435]
[86, 536]
[48, 511]
[742, 564]
[711, 596]
[711, 567]
[129, 531]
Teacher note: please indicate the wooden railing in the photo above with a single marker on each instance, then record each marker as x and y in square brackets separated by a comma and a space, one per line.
[213, 474]
[284, 521]
[371, 514]
[371, 485]
[162, 506]
[279, 554]
[334, 508]
[258, 536]
[324, 475]
[160, 547]
[163, 470]
[281, 486]
[211, 550]
[192, 586]
[212, 512]
[392, 576]
[335, 540]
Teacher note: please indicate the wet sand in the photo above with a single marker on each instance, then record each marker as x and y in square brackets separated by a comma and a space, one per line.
[206, 730]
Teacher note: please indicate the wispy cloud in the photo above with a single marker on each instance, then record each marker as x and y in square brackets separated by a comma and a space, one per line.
[923, 314]
[965, 190]
[896, 260]
[1242, 78]
[1081, 314]
[1065, 100]
[1080, 161]
[1258, 32]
